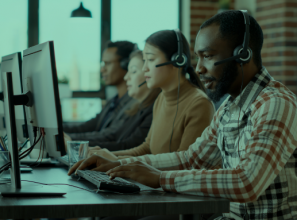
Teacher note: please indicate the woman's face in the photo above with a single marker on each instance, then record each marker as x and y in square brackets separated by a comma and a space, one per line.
[156, 77]
[134, 77]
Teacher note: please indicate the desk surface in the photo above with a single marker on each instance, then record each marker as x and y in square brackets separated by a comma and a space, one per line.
[80, 203]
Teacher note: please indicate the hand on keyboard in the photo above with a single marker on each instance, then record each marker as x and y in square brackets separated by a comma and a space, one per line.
[138, 171]
[101, 152]
[97, 162]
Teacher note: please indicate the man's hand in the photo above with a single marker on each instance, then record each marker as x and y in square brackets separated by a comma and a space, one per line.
[66, 138]
[100, 164]
[101, 152]
[138, 171]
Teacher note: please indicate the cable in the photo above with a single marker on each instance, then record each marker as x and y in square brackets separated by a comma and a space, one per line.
[41, 152]
[40, 145]
[238, 127]
[24, 144]
[4, 167]
[49, 184]
[22, 155]
[178, 88]
[240, 106]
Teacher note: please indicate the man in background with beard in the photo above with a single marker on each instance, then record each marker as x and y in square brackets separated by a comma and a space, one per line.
[253, 135]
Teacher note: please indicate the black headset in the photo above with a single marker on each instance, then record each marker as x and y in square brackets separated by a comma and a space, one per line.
[125, 62]
[178, 59]
[242, 54]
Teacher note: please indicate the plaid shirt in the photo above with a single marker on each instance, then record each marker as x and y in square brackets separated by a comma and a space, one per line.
[254, 139]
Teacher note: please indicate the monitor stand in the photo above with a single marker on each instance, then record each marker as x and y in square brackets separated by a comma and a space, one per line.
[16, 189]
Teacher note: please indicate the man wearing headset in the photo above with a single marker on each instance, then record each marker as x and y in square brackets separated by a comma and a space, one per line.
[114, 65]
[253, 135]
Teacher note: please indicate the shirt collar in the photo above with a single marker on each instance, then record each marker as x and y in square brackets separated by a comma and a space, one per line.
[251, 91]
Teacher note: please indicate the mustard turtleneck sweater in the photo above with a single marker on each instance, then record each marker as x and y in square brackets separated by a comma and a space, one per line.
[195, 112]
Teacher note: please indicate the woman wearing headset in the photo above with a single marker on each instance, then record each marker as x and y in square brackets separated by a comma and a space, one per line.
[182, 110]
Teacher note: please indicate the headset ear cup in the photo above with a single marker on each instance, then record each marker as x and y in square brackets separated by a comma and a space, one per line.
[124, 64]
[237, 51]
[179, 64]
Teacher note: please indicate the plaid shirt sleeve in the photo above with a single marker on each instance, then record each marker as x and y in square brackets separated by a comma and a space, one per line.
[272, 142]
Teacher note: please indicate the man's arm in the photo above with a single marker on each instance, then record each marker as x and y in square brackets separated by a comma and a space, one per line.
[272, 143]
[87, 126]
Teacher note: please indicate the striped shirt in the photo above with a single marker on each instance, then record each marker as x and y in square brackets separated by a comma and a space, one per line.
[253, 139]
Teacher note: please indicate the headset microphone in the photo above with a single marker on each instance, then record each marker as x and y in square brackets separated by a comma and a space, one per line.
[167, 63]
[142, 84]
[178, 59]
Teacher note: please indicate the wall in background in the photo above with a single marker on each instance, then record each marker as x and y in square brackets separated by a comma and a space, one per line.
[278, 20]
[201, 10]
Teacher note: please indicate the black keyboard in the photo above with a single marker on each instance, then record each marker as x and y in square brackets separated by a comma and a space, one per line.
[102, 181]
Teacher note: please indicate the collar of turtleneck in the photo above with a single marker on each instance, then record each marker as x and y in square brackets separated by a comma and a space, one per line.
[185, 89]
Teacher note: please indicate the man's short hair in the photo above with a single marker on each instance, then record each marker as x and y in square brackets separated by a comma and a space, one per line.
[124, 48]
[232, 29]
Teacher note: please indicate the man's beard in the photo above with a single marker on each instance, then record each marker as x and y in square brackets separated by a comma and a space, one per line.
[229, 75]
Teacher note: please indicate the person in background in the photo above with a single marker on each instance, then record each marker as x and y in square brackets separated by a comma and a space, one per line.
[182, 110]
[133, 132]
[115, 59]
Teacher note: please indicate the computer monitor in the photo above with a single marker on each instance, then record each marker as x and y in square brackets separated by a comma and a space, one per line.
[2, 124]
[13, 63]
[40, 79]
[41, 101]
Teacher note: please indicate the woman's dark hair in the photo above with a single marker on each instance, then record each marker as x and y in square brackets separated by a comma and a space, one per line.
[166, 41]
[150, 99]
[232, 29]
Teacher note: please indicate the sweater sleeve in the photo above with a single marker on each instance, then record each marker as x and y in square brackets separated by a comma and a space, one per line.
[144, 148]
[199, 117]
[202, 154]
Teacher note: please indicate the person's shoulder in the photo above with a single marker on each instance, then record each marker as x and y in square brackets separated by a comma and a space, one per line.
[275, 93]
[277, 90]
[199, 101]
[197, 96]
